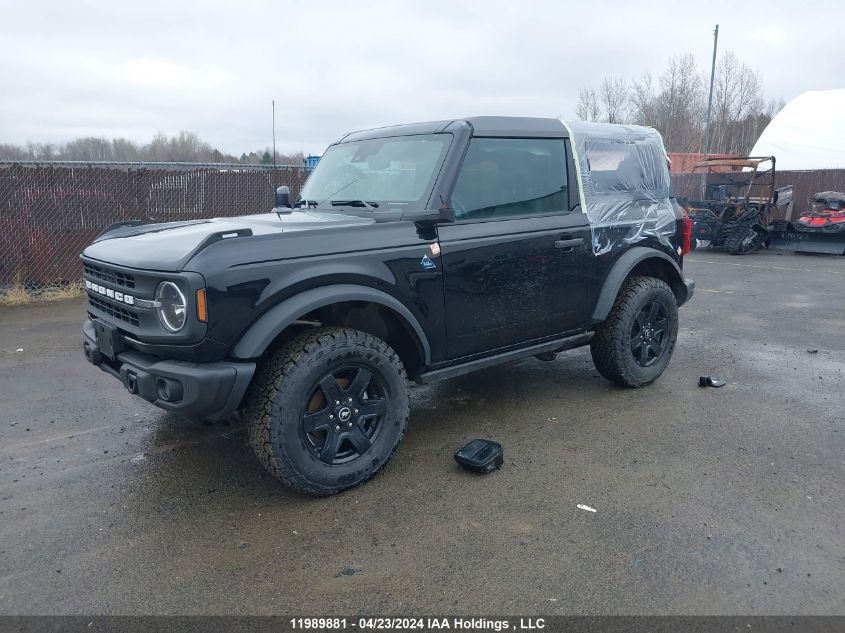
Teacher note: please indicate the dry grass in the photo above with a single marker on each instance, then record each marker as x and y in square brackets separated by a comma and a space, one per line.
[61, 293]
[18, 295]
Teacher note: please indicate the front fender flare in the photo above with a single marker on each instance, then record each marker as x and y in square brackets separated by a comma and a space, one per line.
[263, 332]
[622, 268]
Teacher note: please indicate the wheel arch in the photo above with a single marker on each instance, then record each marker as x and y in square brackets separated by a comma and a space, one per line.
[640, 261]
[361, 307]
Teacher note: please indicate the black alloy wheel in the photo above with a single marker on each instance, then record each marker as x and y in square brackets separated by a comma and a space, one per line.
[327, 409]
[648, 333]
[344, 415]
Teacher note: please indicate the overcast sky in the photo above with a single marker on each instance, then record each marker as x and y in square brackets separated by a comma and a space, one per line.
[130, 69]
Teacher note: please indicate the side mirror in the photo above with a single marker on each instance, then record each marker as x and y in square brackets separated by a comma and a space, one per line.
[283, 196]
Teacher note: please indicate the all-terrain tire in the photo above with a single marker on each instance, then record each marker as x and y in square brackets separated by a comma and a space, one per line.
[612, 345]
[278, 403]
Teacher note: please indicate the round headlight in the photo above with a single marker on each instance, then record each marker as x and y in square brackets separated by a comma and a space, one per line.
[172, 308]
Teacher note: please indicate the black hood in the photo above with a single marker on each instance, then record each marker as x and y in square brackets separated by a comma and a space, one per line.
[168, 247]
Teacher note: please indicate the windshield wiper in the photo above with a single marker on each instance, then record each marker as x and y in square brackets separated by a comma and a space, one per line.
[355, 203]
[310, 204]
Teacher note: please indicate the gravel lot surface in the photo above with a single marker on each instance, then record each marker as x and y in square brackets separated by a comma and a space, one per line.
[709, 501]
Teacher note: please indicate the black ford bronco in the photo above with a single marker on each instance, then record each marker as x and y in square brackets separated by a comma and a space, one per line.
[422, 251]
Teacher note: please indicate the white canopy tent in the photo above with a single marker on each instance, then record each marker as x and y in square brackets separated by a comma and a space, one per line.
[808, 133]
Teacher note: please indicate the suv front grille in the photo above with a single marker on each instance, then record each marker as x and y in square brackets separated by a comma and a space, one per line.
[110, 276]
[127, 316]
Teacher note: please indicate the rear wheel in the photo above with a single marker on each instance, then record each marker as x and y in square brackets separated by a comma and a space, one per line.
[327, 411]
[634, 344]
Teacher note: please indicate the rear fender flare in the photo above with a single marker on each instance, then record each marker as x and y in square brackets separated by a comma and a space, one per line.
[264, 331]
[623, 267]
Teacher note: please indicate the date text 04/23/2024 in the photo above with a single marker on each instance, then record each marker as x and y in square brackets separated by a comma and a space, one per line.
[418, 624]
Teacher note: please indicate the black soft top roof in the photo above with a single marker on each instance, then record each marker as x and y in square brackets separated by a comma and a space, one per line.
[503, 126]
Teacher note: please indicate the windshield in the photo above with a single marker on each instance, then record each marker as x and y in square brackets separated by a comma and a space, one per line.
[388, 173]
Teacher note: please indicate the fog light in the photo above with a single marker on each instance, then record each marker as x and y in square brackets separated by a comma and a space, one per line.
[168, 390]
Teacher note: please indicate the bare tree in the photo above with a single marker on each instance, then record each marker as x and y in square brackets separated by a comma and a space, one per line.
[680, 103]
[613, 94]
[125, 150]
[185, 146]
[740, 114]
[609, 105]
[88, 148]
[42, 151]
[737, 104]
[674, 102]
[773, 106]
[588, 105]
[643, 108]
[13, 152]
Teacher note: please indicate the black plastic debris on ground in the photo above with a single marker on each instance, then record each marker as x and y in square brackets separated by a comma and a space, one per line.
[709, 381]
[481, 456]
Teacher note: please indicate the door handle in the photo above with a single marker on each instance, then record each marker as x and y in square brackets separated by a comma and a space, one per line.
[568, 244]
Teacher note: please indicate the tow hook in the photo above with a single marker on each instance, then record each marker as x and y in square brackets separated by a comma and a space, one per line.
[131, 382]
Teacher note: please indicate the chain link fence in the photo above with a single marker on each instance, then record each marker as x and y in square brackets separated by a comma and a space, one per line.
[50, 211]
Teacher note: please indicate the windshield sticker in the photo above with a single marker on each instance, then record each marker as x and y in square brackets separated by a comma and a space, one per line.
[435, 249]
[426, 263]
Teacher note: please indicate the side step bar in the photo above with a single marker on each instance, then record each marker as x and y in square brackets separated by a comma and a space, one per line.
[558, 345]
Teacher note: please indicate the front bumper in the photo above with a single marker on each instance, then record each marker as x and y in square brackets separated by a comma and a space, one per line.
[211, 391]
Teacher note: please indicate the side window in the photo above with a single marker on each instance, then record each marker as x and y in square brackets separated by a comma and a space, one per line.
[504, 177]
[627, 167]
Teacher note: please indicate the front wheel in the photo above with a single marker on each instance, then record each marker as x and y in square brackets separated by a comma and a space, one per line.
[327, 411]
[634, 344]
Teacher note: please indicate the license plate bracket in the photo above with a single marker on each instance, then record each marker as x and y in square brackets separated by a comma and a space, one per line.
[109, 341]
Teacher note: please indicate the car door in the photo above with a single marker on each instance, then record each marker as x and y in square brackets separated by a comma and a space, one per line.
[515, 259]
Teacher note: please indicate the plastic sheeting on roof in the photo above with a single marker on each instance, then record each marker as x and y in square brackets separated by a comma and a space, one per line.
[624, 180]
[808, 133]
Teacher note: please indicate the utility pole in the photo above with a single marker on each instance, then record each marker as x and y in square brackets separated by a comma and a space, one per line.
[710, 98]
[706, 148]
[273, 102]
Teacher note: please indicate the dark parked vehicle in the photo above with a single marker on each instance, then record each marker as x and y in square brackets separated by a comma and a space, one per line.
[422, 251]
